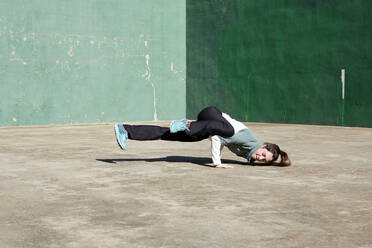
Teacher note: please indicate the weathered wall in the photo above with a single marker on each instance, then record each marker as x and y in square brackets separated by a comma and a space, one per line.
[91, 61]
[281, 61]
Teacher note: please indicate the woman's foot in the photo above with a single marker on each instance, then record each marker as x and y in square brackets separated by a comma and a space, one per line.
[177, 126]
[121, 136]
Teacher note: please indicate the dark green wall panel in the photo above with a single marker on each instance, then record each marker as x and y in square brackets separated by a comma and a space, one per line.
[91, 61]
[204, 21]
[357, 48]
[280, 61]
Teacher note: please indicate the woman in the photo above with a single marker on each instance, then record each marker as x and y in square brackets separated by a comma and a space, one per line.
[211, 123]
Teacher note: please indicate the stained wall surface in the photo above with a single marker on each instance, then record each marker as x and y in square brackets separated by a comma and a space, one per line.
[91, 61]
[281, 61]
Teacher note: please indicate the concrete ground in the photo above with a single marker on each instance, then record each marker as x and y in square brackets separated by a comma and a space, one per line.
[71, 186]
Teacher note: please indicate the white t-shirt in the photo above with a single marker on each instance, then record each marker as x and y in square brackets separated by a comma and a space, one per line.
[216, 146]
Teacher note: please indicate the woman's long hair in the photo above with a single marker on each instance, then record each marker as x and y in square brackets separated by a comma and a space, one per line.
[275, 150]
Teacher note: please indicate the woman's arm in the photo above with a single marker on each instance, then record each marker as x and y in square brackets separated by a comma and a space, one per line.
[216, 148]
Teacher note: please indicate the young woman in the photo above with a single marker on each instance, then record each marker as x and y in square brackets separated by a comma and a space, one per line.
[211, 123]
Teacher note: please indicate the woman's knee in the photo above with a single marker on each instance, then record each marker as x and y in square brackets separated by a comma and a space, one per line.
[209, 113]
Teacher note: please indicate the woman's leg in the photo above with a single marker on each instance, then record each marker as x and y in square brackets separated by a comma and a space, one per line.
[150, 132]
[209, 114]
[145, 132]
[210, 122]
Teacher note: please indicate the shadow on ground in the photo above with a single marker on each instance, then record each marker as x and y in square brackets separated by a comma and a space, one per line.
[172, 159]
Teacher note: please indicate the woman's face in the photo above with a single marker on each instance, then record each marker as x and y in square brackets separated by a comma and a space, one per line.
[263, 155]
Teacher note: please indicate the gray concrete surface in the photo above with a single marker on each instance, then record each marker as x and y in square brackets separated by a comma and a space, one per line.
[71, 186]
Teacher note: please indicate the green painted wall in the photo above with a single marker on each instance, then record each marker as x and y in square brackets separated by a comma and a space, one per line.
[114, 60]
[281, 61]
[91, 61]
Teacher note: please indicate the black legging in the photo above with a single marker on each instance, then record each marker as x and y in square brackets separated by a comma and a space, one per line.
[209, 122]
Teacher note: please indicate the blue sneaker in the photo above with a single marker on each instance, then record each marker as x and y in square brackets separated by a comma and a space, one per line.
[121, 136]
[177, 126]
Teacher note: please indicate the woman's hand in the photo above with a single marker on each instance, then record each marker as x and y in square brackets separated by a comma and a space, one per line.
[224, 166]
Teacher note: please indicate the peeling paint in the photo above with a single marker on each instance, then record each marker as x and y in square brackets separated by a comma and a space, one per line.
[172, 68]
[70, 51]
[16, 58]
[65, 66]
[148, 78]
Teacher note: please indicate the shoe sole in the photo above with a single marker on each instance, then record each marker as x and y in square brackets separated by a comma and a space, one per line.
[117, 132]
